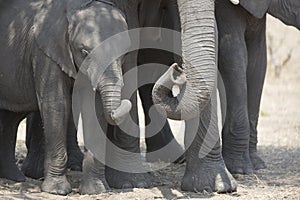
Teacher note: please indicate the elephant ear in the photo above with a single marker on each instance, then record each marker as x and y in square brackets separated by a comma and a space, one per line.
[258, 8]
[51, 35]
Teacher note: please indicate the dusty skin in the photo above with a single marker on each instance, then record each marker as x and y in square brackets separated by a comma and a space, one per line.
[279, 143]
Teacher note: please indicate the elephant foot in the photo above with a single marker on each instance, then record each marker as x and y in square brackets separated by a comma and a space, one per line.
[93, 178]
[206, 175]
[93, 185]
[238, 164]
[33, 165]
[257, 162]
[124, 180]
[11, 171]
[56, 185]
[75, 158]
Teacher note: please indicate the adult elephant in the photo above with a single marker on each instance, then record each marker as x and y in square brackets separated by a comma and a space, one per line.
[242, 64]
[45, 42]
[195, 20]
[33, 164]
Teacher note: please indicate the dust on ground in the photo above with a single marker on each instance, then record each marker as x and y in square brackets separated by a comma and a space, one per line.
[279, 143]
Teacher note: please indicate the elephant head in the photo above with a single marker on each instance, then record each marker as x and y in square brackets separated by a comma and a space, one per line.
[199, 62]
[67, 31]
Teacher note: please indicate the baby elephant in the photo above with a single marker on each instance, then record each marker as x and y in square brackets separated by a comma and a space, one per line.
[43, 45]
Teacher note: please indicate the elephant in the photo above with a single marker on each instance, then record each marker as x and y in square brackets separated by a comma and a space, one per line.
[45, 43]
[33, 164]
[201, 172]
[242, 65]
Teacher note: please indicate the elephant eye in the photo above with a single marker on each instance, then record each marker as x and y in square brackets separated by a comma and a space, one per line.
[84, 52]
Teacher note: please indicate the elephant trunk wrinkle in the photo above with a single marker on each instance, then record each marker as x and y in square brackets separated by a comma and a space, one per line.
[199, 63]
[110, 85]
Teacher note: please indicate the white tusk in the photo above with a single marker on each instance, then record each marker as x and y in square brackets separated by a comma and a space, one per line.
[235, 2]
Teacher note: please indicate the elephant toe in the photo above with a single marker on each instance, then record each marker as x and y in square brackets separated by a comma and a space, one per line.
[56, 185]
[209, 176]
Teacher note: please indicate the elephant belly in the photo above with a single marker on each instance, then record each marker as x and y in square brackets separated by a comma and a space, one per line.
[17, 91]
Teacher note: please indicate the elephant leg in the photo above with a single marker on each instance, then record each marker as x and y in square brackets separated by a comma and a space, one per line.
[205, 168]
[233, 69]
[55, 117]
[33, 165]
[164, 136]
[257, 63]
[288, 11]
[123, 158]
[9, 122]
[53, 88]
[123, 155]
[75, 155]
[93, 178]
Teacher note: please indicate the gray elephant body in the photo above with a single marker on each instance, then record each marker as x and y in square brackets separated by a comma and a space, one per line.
[242, 65]
[44, 44]
[204, 160]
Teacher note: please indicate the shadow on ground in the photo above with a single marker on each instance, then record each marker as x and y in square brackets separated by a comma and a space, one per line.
[280, 180]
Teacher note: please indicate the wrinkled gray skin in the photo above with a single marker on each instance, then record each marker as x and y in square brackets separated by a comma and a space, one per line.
[33, 164]
[209, 172]
[242, 64]
[44, 43]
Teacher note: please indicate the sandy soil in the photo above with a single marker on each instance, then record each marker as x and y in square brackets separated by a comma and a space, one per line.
[279, 143]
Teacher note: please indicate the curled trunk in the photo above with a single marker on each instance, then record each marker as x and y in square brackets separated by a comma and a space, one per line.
[199, 63]
[110, 86]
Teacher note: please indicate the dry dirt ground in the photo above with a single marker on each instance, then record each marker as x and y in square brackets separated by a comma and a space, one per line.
[279, 143]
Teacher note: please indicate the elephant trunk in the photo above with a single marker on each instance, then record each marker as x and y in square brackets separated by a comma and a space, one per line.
[199, 63]
[110, 85]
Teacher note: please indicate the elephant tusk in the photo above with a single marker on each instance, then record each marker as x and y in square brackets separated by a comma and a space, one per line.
[119, 115]
[235, 2]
